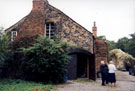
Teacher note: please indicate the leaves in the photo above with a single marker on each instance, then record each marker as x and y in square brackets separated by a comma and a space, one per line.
[4, 47]
[47, 58]
[127, 44]
[111, 44]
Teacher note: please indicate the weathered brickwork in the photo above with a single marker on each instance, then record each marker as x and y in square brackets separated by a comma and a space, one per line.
[31, 26]
[100, 50]
[66, 29]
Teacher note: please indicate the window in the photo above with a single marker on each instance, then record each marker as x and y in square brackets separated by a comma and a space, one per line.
[50, 27]
[13, 35]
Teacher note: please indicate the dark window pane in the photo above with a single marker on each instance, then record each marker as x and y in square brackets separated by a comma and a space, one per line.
[47, 24]
[52, 24]
[47, 31]
[52, 27]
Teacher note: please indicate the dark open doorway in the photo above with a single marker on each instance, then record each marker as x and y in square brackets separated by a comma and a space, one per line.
[81, 65]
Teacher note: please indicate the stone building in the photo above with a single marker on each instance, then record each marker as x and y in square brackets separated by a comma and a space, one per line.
[52, 23]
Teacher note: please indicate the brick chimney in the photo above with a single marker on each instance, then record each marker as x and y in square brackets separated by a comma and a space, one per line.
[94, 30]
[39, 4]
[34, 23]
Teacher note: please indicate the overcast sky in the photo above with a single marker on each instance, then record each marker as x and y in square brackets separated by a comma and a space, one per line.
[114, 18]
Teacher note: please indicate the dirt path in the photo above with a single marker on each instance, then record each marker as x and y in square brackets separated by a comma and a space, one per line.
[125, 82]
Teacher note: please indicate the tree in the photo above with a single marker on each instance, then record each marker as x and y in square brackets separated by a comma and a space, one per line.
[102, 38]
[1, 30]
[131, 45]
[4, 48]
[127, 44]
[122, 44]
[111, 44]
[46, 60]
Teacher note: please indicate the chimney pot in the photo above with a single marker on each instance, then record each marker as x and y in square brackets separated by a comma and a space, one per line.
[94, 30]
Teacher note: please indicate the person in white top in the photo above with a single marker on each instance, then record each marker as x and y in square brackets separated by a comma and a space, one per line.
[112, 69]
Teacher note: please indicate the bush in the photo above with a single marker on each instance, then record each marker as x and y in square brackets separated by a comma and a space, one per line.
[4, 52]
[46, 60]
[2, 59]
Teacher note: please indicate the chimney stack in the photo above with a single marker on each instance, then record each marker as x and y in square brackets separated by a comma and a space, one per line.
[94, 30]
[39, 4]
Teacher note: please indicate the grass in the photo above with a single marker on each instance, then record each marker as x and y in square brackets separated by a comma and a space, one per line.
[20, 85]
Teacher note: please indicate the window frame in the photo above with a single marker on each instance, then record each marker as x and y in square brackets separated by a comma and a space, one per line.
[12, 35]
[49, 30]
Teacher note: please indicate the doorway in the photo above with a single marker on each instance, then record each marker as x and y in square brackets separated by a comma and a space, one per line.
[81, 65]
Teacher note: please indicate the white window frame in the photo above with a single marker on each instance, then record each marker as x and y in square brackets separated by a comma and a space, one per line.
[50, 29]
[12, 35]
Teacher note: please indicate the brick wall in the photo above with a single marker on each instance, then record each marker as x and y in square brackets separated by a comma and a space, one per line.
[34, 22]
[67, 30]
[100, 50]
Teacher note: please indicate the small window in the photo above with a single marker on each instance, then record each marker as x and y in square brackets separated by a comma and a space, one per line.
[50, 28]
[13, 35]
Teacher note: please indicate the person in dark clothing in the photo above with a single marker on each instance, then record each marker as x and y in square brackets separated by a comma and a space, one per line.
[104, 73]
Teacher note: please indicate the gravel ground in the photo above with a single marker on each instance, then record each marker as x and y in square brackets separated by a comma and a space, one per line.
[125, 82]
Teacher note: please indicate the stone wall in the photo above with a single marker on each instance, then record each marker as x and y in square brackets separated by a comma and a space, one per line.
[68, 30]
[76, 35]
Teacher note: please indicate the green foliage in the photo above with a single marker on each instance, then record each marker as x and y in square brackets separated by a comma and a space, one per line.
[20, 85]
[4, 48]
[111, 44]
[23, 42]
[127, 44]
[122, 43]
[131, 45]
[2, 59]
[102, 38]
[1, 30]
[47, 60]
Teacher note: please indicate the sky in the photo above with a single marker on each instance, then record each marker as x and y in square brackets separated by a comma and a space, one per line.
[115, 19]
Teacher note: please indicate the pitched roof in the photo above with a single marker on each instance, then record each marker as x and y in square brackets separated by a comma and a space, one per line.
[19, 23]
